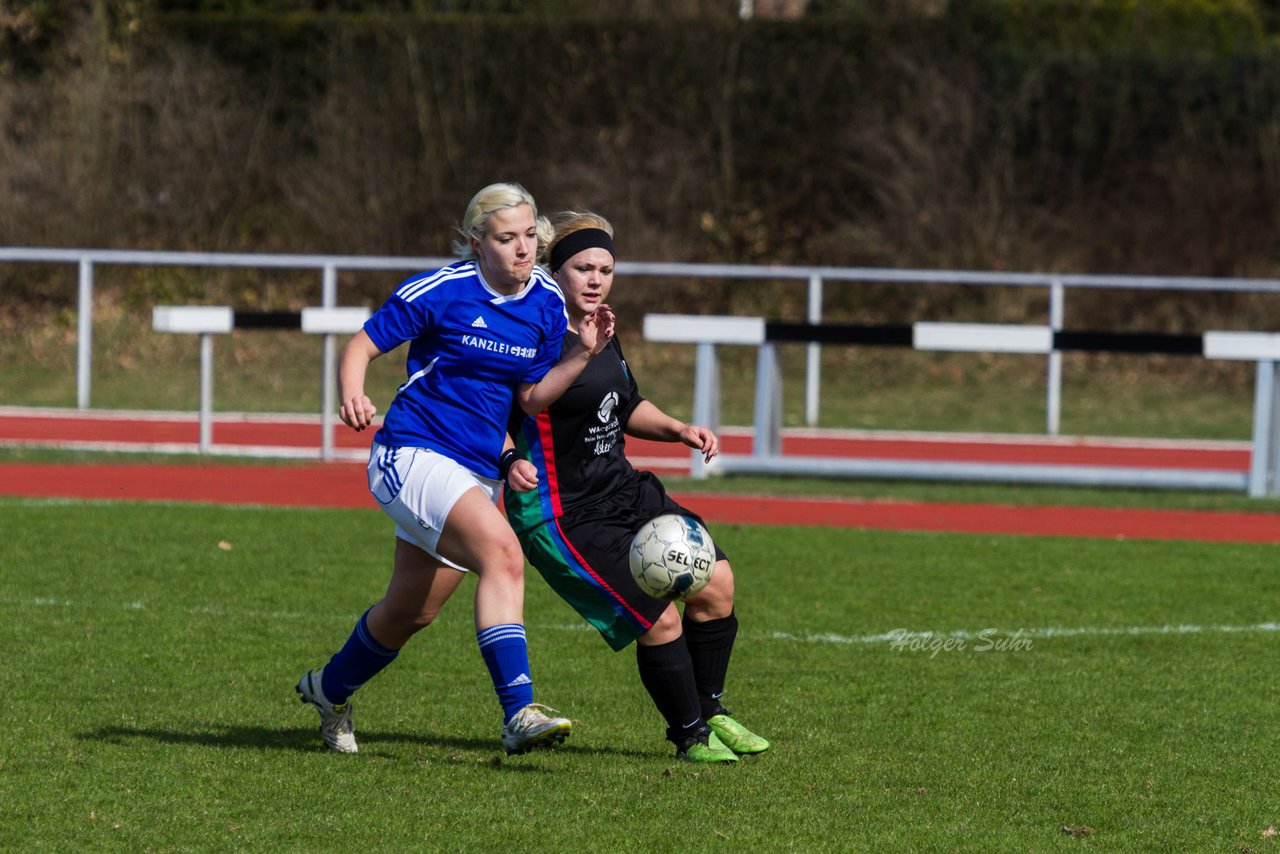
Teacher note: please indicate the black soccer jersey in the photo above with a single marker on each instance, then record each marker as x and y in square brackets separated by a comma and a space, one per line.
[577, 443]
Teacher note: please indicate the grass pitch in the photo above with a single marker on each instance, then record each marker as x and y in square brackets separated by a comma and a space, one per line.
[1074, 695]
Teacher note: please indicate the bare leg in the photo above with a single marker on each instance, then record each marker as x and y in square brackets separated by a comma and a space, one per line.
[714, 601]
[419, 587]
[478, 537]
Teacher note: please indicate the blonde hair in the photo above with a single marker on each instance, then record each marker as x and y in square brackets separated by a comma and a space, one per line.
[567, 222]
[484, 204]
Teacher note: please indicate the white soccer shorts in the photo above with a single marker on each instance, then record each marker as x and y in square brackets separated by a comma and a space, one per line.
[417, 488]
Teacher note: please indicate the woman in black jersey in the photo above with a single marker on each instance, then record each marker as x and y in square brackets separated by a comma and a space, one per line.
[575, 503]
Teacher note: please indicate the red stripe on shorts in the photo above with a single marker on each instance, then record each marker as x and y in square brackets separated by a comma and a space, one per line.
[636, 615]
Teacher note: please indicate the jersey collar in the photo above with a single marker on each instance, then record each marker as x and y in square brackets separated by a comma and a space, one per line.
[499, 299]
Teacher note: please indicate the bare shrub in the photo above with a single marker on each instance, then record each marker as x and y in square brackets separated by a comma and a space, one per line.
[937, 158]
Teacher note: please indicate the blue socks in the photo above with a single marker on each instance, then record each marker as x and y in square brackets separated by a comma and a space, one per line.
[360, 659]
[507, 656]
[504, 649]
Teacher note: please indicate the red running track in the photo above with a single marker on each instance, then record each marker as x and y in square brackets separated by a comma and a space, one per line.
[343, 485]
[42, 428]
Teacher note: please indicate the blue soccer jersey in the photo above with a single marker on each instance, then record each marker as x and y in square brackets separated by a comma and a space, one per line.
[470, 348]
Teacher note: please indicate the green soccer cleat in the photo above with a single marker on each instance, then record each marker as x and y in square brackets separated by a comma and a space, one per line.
[735, 736]
[705, 748]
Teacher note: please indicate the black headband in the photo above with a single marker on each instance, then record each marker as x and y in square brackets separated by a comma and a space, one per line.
[575, 242]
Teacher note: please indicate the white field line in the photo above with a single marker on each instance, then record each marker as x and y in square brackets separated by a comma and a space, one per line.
[894, 636]
[899, 636]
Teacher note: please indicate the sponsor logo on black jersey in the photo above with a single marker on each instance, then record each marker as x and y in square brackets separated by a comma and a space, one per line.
[606, 407]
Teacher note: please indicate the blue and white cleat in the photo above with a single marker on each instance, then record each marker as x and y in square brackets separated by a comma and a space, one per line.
[336, 727]
[534, 726]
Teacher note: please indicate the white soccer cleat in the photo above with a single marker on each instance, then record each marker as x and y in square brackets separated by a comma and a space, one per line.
[533, 727]
[335, 721]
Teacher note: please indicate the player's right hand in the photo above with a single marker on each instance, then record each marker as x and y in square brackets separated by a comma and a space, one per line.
[357, 413]
[523, 476]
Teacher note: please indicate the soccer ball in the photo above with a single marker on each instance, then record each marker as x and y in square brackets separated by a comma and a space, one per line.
[672, 557]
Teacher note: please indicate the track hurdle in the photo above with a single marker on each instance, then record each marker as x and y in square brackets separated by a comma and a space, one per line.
[707, 332]
[1263, 348]
[208, 321]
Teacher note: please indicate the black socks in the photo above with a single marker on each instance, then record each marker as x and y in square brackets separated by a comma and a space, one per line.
[710, 645]
[667, 674]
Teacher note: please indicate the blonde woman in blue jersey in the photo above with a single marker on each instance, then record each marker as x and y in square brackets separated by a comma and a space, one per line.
[576, 502]
[479, 331]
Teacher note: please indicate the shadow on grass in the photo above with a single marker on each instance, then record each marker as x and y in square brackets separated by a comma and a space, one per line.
[306, 739]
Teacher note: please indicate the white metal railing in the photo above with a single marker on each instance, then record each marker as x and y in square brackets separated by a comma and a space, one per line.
[1056, 284]
[707, 332]
[86, 259]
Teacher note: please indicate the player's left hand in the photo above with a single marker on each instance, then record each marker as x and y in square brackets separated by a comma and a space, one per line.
[701, 439]
[523, 476]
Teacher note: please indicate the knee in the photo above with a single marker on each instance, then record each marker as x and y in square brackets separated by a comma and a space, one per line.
[504, 560]
[716, 599]
[419, 620]
[398, 628]
[664, 629]
[393, 625]
[668, 624]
